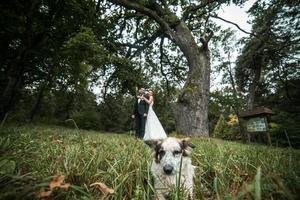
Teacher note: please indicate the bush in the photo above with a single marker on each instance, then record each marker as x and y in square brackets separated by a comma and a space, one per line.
[285, 129]
[87, 120]
[116, 113]
[221, 128]
[228, 130]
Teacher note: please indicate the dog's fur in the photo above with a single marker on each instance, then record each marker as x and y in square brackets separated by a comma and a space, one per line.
[169, 155]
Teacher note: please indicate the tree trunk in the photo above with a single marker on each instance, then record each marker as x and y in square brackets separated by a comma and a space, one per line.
[11, 91]
[252, 89]
[38, 102]
[236, 105]
[8, 96]
[191, 112]
[69, 106]
[17, 67]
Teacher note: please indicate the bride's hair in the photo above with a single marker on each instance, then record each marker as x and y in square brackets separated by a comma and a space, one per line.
[150, 90]
[147, 94]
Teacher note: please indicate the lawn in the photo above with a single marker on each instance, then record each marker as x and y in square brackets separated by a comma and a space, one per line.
[54, 162]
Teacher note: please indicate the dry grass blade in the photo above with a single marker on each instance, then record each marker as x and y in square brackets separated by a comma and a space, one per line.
[102, 187]
[42, 193]
[57, 182]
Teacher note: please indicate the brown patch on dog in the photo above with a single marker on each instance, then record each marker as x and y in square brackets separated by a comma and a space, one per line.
[158, 155]
[186, 146]
[156, 145]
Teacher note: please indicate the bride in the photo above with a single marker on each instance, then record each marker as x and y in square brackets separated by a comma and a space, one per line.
[153, 129]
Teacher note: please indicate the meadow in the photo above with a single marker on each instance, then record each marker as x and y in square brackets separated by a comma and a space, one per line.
[52, 162]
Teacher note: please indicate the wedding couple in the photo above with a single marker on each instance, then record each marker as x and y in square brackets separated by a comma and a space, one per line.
[148, 126]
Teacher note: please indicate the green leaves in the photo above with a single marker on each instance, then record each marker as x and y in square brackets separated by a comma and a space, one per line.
[84, 48]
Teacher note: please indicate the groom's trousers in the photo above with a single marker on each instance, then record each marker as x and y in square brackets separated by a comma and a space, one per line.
[140, 125]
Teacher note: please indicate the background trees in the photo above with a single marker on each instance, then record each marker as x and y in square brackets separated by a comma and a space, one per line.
[270, 51]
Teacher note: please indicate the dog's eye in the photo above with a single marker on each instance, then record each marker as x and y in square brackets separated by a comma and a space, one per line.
[161, 153]
[177, 152]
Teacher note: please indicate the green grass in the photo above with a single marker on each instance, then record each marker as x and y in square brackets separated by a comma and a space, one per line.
[32, 155]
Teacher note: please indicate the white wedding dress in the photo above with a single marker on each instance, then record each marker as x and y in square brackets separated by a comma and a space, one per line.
[153, 129]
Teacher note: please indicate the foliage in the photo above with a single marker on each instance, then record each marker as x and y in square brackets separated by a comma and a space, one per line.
[224, 102]
[87, 119]
[271, 52]
[116, 113]
[81, 56]
[227, 129]
[33, 36]
[265, 72]
[220, 128]
[285, 129]
[225, 170]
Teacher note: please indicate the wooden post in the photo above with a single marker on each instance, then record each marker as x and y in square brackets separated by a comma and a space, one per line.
[267, 131]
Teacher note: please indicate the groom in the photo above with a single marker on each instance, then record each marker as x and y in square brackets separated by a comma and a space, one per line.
[140, 111]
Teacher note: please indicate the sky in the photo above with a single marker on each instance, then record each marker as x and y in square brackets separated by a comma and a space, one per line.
[237, 15]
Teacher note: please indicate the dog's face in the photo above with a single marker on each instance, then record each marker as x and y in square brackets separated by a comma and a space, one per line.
[168, 153]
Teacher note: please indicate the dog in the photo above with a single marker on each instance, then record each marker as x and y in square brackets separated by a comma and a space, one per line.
[171, 161]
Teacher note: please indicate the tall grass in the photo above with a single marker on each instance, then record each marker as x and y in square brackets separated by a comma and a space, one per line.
[32, 155]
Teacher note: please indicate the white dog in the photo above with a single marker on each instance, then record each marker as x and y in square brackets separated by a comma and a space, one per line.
[172, 157]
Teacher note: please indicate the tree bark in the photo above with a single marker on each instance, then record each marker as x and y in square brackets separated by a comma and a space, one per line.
[41, 94]
[17, 66]
[37, 103]
[252, 89]
[15, 77]
[191, 112]
[68, 106]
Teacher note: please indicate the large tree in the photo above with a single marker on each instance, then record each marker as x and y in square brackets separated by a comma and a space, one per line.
[33, 33]
[271, 53]
[186, 24]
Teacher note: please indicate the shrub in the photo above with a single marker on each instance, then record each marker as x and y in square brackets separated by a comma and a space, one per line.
[285, 129]
[229, 129]
[220, 128]
[87, 120]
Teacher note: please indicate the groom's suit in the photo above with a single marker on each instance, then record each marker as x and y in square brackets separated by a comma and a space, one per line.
[141, 107]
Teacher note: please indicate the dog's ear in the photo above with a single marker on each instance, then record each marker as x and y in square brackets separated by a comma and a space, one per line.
[156, 146]
[186, 146]
[153, 143]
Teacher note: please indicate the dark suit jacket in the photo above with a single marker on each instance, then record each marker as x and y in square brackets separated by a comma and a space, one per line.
[140, 108]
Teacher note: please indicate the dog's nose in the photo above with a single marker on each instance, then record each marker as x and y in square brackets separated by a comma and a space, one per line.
[168, 169]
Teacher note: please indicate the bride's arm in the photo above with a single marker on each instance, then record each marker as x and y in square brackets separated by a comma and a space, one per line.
[150, 100]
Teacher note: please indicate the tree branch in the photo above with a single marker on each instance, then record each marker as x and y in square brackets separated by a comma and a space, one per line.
[141, 43]
[161, 63]
[144, 10]
[236, 25]
[194, 8]
[149, 41]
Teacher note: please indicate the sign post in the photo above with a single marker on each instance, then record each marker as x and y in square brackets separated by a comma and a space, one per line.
[256, 122]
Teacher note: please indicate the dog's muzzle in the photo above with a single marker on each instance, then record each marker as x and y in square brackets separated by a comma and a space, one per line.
[168, 169]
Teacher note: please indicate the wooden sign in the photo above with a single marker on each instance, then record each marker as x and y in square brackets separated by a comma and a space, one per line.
[256, 124]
